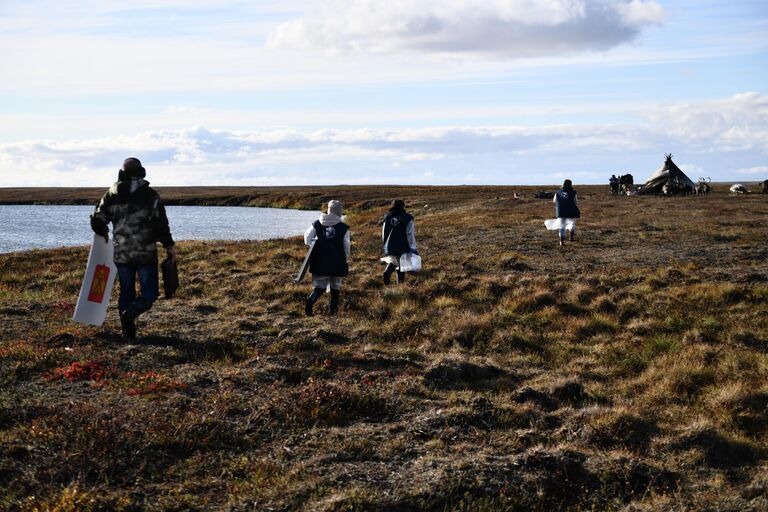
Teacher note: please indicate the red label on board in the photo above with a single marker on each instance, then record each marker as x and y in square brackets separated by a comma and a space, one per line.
[99, 284]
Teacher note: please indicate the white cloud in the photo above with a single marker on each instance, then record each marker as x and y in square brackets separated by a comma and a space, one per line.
[736, 123]
[640, 12]
[506, 28]
[716, 139]
[760, 169]
[71, 50]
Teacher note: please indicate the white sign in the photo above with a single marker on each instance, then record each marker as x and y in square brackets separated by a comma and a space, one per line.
[99, 277]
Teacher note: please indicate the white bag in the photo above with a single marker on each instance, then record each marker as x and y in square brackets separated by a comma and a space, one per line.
[560, 223]
[99, 277]
[410, 262]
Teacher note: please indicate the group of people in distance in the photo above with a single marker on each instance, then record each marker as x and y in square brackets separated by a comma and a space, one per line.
[139, 221]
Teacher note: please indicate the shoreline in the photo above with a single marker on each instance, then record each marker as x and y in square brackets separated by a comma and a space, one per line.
[294, 197]
[185, 241]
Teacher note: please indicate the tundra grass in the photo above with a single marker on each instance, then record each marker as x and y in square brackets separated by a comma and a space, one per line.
[627, 370]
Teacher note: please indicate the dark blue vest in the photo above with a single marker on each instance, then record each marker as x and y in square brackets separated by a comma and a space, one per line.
[565, 205]
[328, 257]
[395, 237]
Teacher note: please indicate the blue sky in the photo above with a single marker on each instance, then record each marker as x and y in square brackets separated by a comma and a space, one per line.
[364, 91]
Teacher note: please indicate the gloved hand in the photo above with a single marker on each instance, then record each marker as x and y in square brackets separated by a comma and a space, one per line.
[414, 251]
[171, 250]
[100, 228]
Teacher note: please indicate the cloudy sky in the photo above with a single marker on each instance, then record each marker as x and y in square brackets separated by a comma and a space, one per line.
[247, 92]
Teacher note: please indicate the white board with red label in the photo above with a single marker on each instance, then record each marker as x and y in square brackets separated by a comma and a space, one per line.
[99, 277]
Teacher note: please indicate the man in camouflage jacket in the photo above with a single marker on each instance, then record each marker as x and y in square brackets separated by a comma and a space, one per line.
[139, 222]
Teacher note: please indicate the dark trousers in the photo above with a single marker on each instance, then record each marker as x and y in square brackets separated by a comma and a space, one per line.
[148, 288]
[390, 269]
[333, 306]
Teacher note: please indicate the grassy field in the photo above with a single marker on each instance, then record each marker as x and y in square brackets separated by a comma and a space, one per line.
[625, 371]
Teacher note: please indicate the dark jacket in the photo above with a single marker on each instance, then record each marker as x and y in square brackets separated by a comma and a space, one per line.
[139, 221]
[328, 256]
[565, 205]
[395, 237]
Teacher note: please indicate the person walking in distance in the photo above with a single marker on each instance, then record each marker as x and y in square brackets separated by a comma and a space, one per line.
[399, 237]
[138, 222]
[329, 262]
[566, 210]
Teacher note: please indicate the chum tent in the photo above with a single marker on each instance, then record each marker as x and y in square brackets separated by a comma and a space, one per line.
[668, 173]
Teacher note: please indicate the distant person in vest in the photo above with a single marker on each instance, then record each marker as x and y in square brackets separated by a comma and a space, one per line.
[399, 237]
[329, 261]
[613, 183]
[566, 210]
[139, 222]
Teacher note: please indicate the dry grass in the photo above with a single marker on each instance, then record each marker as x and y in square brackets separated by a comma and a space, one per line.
[625, 371]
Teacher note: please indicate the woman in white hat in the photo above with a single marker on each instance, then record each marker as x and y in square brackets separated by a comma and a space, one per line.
[330, 257]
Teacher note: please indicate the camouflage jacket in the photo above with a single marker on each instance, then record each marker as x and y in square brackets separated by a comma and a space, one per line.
[138, 218]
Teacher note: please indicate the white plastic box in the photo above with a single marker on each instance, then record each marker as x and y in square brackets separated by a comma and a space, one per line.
[410, 263]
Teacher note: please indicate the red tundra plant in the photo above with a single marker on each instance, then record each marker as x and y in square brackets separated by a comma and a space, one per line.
[82, 370]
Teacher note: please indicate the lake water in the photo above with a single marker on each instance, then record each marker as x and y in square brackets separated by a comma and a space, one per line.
[39, 227]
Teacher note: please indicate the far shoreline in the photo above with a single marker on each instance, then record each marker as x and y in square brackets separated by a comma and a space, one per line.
[355, 197]
[305, 197]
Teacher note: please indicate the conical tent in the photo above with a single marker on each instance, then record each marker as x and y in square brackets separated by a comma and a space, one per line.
[667, 173]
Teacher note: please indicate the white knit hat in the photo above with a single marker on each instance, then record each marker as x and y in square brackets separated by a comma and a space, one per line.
[335, 207]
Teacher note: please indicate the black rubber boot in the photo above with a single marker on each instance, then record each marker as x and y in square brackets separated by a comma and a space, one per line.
[401, 277]
[333, 306]
[310, 302]
[128, 324]
[129, 316]
[388, 273]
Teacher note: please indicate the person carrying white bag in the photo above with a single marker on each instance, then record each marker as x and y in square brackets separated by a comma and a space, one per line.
[399, 237]
[566, 212]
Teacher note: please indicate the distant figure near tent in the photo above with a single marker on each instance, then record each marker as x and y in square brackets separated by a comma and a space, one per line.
[613, 184]
[566, 211]
[623, 185]
[668, 180]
